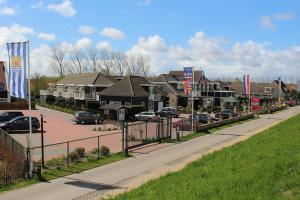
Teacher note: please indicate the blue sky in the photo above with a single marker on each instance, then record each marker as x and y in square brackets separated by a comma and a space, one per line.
[230, 28]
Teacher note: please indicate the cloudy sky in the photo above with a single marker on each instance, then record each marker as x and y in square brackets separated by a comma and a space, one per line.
[223, 37]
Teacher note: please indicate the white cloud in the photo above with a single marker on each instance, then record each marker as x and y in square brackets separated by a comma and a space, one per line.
[47, 36]
[2, 1]
[65, 8]
[144, 2]
[86, 30]
[83, 43]
[267, 22]
[7, 11]
[103, 45]
[40, 60]
[217, 59]
[14, 33]
[113, 33]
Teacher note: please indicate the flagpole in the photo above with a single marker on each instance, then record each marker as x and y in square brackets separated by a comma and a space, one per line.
[249, 104]
[193, 101]
[30, 118]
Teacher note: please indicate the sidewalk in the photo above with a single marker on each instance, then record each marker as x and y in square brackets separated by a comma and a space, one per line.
[125, 174]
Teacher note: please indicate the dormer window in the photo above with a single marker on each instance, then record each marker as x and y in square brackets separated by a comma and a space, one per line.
[268, 89]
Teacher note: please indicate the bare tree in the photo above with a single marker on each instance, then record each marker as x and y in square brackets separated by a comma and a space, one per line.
[93, 58]
[106, 62]
[120, 62]
[58, 60]
[77, 58]
[133, 68]
[144, 65]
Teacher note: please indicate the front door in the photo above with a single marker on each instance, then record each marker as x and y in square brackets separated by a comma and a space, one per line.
[121, 114]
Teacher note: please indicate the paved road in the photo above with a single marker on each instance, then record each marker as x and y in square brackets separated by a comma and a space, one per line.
[93, 184]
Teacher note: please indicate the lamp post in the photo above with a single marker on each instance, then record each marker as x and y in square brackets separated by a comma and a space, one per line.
[42, 140]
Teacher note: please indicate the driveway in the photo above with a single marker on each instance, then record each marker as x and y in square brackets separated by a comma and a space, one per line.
[131, 172]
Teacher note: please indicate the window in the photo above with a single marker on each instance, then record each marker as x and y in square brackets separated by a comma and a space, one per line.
[103, 103]
[268, 89]
[127, 103]
[143, 103]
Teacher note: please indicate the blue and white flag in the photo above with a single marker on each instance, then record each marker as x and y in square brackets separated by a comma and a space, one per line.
[17, 53]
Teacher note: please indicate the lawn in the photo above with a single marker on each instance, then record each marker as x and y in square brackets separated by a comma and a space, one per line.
[266, 166]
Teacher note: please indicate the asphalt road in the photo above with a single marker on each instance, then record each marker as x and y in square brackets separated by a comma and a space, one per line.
[119, 176]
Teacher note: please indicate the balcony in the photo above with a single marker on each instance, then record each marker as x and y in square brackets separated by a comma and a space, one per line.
[155, 97]
[57, 93]
[45, 92]
[68, 95]
[84, 96]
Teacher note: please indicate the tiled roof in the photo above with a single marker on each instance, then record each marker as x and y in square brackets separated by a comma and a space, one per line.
[86, 79]
[130, 86]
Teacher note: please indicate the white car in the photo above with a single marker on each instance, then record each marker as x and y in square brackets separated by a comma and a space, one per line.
[146, 116]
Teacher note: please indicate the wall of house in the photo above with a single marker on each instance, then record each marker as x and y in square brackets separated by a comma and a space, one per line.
[123, 100]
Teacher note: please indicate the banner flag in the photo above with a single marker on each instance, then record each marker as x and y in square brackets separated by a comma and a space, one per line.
[187, 83]
[17, 82]
[246, 79]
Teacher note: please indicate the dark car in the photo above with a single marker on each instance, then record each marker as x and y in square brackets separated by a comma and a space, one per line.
[168, 111]
[82, 117]
[20, 124]
[7, 116]
[226, 113]
[204, 118]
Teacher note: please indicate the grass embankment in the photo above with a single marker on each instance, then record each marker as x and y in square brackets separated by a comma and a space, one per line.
[266, 166]
[61, 170]
[201, 133]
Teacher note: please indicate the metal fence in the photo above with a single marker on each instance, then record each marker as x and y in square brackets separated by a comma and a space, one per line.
[63, 149]
[142, 133]
[13, 162]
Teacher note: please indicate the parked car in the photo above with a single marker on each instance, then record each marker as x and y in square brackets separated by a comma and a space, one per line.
[168, 111]
[203, 118]
[226, 113]
[7, 116]
[20, 123]
[146, 116]
[83, 117]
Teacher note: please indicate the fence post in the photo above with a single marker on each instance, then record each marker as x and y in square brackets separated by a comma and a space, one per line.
[158, 129]
[98, 150]
[126, 139]
[181, 127]
[42, 141]
[123, 138]
[146, 130]
[68, 154]
[171, 127]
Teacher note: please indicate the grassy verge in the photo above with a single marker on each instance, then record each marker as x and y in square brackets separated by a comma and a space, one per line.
[62, 170]
[201, 133]
[58, 108]
[266, 166]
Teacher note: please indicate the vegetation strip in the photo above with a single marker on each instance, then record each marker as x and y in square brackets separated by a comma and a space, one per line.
[61, 169]
[266, 166]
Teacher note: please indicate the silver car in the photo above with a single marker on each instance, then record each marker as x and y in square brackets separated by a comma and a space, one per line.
[146, 116]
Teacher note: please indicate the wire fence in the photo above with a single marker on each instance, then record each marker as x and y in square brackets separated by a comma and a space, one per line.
[63, 149]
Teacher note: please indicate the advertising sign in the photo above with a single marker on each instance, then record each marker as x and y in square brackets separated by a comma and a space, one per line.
[255, 104]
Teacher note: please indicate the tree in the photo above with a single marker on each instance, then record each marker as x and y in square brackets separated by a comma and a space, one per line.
[133, 68]
[77, 58]
[144, 65]
[58, 62]
[93, 58]
[120, 62]
[106, 62]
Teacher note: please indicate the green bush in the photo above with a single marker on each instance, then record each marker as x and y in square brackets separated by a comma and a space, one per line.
[104, 151]
[74, 156]
[80, 151]
[94, 151]
[99, 129]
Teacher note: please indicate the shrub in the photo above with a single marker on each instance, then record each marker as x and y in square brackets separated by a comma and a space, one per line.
[94, 151]
[74, 156]
[104, 151]
[94, 129]
[99, 129]
[80, 151]
[109, 129]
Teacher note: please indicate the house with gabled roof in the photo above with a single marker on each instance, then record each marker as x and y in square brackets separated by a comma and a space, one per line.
[207, 93]
[133, 90]
[78, 88]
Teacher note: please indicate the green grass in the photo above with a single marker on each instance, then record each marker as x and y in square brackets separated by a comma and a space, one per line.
[62, 170]
[266, 166]
[201, 133]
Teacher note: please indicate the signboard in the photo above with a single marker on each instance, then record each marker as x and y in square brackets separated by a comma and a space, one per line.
[255, 104]
[187, 83]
